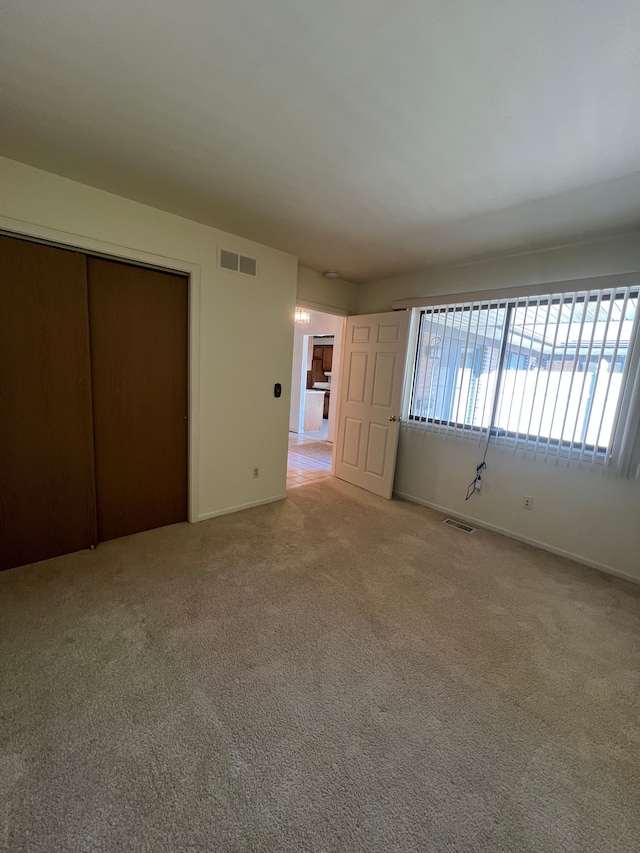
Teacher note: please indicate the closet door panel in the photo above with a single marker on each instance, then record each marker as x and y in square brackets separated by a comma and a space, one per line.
[47, 488]
[138, 321]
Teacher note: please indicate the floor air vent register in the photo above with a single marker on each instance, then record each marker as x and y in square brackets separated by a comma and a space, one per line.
[458, 525]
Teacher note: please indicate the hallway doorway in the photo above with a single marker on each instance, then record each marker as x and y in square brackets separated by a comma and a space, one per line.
[314, 396]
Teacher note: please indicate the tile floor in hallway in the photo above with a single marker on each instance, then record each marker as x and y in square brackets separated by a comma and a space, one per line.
[304, 467]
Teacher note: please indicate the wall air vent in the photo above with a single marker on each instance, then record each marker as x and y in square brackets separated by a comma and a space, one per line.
[229, 260]
[247, 265]
[237, 263]
[458, 525]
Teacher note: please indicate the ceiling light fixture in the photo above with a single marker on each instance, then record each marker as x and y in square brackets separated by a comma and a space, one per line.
[301, 316]
[330, 274]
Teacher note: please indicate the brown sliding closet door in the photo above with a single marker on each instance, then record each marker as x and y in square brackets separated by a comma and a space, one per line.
[47, 488]
[138, 320]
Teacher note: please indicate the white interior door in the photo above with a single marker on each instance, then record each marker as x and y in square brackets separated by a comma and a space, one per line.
[372, 376]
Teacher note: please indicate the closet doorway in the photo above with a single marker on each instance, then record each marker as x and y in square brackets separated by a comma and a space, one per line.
[94, 386]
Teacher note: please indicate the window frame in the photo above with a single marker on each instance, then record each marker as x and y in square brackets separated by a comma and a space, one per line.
[511, 300]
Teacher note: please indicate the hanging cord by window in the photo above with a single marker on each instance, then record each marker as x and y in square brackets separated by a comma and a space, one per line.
[474, 487]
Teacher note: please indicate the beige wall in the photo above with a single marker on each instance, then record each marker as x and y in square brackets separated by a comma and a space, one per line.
[580, 512]
[241, 424]
[333, 295]
[618, 254]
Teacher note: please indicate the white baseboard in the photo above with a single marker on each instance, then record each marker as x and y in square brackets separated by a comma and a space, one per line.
[240, 507]
[468, 519]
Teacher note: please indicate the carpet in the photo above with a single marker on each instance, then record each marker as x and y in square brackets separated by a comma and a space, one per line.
[333, 672]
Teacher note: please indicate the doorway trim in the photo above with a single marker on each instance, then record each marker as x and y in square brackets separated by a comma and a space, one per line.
[112, 251]
[340, 337]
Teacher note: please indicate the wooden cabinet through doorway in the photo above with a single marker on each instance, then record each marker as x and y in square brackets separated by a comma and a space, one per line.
[321, 362]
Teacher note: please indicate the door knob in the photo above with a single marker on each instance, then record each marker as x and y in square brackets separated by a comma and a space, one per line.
[393, 418]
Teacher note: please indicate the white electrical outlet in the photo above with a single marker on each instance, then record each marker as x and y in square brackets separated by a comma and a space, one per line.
[527, 503]
[256, 473]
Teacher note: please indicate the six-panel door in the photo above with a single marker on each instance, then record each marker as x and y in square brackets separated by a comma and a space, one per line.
[372, 377]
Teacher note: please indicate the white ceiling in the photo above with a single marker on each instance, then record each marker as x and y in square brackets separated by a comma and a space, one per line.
[369, 136]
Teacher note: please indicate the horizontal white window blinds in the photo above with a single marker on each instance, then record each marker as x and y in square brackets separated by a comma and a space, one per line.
[546, 373]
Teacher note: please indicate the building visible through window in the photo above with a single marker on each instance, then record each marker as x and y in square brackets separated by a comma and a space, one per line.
[549, 370]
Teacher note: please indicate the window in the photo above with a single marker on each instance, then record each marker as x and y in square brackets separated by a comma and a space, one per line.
[548, 371]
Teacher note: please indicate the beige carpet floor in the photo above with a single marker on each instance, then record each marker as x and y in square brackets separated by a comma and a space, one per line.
[333, 672]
